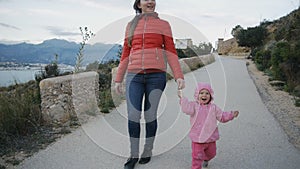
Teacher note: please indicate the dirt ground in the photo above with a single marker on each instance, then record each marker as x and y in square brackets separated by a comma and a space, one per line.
[279, 103]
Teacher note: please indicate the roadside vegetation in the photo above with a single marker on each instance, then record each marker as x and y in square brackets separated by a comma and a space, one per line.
[275, 49]
[22, 130]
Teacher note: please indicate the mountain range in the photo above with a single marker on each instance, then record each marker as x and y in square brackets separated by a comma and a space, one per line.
[65, 50]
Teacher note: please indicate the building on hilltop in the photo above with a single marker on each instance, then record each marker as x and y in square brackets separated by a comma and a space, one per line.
[230, 47]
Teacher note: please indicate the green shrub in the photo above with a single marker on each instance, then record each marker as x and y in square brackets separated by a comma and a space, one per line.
[263, 59]
[106, 101]
[279, 53]
[50, 70]
[105, 77]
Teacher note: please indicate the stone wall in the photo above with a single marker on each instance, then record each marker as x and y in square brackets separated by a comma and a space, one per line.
[68, 98]
[190, 64]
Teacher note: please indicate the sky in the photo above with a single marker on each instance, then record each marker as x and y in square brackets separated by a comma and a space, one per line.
[34, 21]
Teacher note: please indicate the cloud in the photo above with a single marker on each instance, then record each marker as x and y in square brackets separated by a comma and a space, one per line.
[106, 4]
[10, 42]
[61, 32]
[111, 5]
[44, 12]
[209, 16]
[9, 26]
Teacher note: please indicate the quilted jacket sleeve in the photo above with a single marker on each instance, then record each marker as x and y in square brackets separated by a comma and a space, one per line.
[124, 58]
[188, 107]
[223, 116]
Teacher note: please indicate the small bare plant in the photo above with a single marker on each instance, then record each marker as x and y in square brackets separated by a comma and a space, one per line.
[86, 36]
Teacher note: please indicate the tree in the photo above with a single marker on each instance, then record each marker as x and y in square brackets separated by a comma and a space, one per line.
[120, 49]
[203, 49]
[252, 37]
[50, 70]
[235, 31]
[92, 66]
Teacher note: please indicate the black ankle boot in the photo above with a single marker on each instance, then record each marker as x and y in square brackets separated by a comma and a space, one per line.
[130, 163]
[144, 160]
[146, 157]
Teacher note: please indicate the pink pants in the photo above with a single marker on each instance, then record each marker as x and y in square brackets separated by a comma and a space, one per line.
[201, 152]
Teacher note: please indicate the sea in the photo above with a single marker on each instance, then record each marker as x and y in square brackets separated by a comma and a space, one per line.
[22, 75]
[12, 77]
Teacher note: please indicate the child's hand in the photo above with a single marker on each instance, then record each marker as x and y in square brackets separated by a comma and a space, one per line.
[235, 113]
[179, 93]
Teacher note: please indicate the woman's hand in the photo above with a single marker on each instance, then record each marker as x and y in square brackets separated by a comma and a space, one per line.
[119, 88]
[180, 84]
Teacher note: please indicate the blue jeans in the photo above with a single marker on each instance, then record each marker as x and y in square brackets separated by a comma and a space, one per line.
[150, 87]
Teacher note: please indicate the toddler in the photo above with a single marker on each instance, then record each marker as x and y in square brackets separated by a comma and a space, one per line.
[204, 115]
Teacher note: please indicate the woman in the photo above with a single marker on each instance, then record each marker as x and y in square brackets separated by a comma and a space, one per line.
[148, 46]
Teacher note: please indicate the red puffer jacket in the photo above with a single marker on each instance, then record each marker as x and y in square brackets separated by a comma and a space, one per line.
[152, 46]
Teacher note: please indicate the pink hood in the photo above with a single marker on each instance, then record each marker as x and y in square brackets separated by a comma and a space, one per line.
[201, 86]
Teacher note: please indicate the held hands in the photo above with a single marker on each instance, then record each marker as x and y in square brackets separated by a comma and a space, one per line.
[180, 86]
[179, 93]
[180, 83]
[235, 113]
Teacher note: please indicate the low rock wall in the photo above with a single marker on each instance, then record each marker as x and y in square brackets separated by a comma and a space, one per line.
[193, 63]
[71, 97]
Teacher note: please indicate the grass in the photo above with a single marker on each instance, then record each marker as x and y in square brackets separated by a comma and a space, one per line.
[22, 130]
[20, 109]
[20, 120]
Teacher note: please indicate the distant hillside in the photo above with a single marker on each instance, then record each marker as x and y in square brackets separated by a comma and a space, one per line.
[67, 51]
[286, 28]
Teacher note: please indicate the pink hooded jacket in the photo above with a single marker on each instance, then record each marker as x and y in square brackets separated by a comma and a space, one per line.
[203, 118]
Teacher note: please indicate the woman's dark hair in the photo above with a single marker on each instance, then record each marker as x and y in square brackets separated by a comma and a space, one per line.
[136, 6]
[134, 21]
